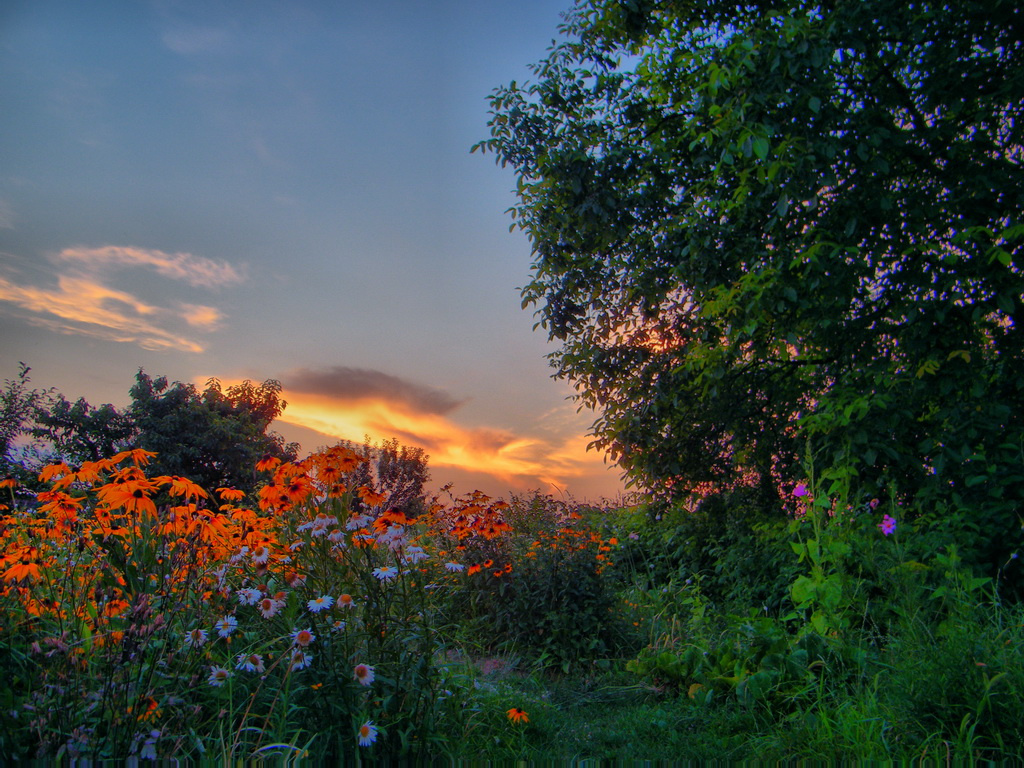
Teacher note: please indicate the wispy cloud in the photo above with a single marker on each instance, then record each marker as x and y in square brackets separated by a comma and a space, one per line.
[83, 301]
[194, 270]
[6, 215]
[83, 307]
[191, 40]
[199, 316]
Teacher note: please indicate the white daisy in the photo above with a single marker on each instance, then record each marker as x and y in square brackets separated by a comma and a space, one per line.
[321, 603]
[218, 676]
[226, 626]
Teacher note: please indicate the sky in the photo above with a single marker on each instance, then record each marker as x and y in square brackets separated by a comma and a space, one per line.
[284, 190]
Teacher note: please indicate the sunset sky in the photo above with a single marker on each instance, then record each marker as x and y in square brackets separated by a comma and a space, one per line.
[251, 189]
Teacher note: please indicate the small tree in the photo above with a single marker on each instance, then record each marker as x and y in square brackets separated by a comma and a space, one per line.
[19, 404]
[214, 436]
[397, 471]
[79, 432]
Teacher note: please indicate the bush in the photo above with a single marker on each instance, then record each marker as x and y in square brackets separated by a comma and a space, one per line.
[536, 579]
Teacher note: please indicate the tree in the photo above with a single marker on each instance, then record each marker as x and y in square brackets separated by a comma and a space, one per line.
[18, 405]
[79, 432]
[776, 235]
[215, 436]
[398, 471]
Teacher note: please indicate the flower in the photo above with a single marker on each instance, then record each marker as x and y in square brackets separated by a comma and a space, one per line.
[516, 715]
[454, 567]
[346, 601]
[268, 607]
[414, 555]
[230, 494]
[386, 573]
[302, 637]
[888, 524]
[196, 638]
[300, 659]
[321, 603]
[218, 676]
[267, 464]
[363, 673]
[226, 626]
[248, 596]
[367, 733]
[250, 662]
[800, 490]
[260, 554]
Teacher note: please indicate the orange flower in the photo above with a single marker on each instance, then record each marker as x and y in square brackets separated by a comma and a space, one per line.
[473, 569]
[133, 497]
[8, 482]
[267, 464]
[370, 498]
[516, 715]
[182, 486]
[139, 456]
[26, 565]
[50, 471]
[231, 494]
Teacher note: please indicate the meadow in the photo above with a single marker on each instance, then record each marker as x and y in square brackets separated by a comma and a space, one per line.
[145, 617]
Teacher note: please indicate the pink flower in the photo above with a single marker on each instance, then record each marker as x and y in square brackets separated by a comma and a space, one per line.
[800, 490]
[888, 524]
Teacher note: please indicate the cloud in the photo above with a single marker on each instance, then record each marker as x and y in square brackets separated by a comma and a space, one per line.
[199, 316]
[6, 215]
[194, 270]
[189, 41]
[82, 307]
[343, 403]
[84, 302]
[346, 384]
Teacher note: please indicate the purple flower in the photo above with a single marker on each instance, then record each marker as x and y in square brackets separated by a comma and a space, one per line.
[800, 490]
[888, 524]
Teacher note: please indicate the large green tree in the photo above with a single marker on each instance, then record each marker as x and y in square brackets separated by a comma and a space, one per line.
[768, 232]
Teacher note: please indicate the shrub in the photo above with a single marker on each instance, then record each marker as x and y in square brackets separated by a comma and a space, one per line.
[535, 578]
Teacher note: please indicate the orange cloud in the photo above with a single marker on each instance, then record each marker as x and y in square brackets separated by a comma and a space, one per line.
[81, 306]
[518, 461]
[84, 303]
[199, 316]
[340, 403]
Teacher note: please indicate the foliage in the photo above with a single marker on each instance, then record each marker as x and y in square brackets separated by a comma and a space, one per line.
[142, 617]
[737, 550]
[754, 223]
